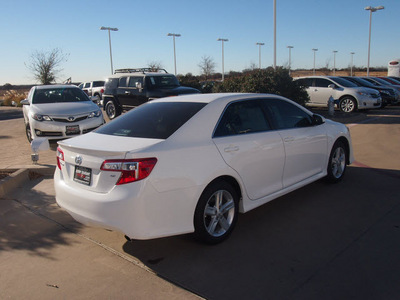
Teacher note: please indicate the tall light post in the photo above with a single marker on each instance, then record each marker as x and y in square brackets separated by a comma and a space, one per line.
[259, 54]
[351, 63]
[315, 50]
[274, 34]
[173, 36]
[290, 56]
[371, 10]
[334, 62]
[223, 40]
[109, 41]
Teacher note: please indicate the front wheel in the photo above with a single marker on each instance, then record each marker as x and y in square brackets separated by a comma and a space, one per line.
[28, 132]
[337, 162]
[216, 213]
[111, 110]
[347, 105]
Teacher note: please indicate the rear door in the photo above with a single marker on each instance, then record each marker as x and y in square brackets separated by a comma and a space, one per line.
[247, 143]
[129, 93]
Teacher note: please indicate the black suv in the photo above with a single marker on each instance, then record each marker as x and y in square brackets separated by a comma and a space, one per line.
[129, 88]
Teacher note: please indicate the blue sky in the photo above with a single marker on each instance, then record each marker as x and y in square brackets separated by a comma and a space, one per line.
[73, 26]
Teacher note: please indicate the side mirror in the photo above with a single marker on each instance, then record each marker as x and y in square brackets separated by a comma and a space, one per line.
[331, 86]
[139, 86]
[24, 102]
[318, 119]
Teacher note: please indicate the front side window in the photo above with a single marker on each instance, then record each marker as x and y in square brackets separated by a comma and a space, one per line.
[56, 95]
[241, 118]
[321, 82]
[286, 115]
[153, 120]
[167, 81]
[134, 80]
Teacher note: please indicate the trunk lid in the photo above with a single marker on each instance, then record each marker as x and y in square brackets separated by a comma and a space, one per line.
[84, 156]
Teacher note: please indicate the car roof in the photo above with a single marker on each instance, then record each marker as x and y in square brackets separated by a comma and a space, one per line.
[55, 86]
[216, 97]
[118, 75]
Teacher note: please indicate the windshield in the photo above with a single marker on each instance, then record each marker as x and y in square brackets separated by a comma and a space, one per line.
[344, 82]
[361, 82]
[153, 120]
[56, 95]
[167, 81]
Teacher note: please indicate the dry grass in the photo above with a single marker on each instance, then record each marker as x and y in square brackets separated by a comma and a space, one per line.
[13, 95]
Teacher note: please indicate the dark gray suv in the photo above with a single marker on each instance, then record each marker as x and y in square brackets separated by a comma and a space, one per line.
[129, 88]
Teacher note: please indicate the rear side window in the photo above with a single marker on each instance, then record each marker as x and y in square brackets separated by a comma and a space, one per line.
[241, 118]
[153, 120]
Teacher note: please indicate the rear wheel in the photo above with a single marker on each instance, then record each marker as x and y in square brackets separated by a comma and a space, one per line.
[111, 110]
[216, 213]
[337, 162]
[347, 105]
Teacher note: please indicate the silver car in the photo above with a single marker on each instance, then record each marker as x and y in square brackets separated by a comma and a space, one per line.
[59, 111]
[346, 95]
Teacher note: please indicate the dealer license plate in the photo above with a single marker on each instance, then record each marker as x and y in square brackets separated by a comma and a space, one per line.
[82, 175]
[72, 130]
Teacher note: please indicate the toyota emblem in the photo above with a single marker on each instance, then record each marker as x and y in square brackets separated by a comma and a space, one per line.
[71, 119]
[78, 160]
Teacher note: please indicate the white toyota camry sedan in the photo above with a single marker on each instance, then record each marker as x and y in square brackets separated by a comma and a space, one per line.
[192, 163]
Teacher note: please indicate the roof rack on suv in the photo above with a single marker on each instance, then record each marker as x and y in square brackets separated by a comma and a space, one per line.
[142, 70]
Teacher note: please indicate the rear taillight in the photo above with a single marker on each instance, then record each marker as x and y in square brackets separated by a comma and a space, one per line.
[60, 157]
[131, 169]
[102, 91]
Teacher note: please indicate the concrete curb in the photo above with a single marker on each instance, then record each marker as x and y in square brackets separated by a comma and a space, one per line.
[20, 176]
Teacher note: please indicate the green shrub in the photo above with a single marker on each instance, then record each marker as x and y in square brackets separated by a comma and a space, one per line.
[268, 81]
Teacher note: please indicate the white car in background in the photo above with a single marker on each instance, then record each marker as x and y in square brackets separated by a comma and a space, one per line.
[347, 95]
[58, 112]
[192, 163]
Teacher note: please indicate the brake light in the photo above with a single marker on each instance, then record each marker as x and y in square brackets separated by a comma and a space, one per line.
[102, 91]
[131, 169]
[60, 157]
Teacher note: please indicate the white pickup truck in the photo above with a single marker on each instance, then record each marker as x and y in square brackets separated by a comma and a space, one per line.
[94, 89]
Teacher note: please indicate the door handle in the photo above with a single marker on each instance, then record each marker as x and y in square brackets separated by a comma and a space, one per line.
[289, 139]
[231, 149]
[127, 93]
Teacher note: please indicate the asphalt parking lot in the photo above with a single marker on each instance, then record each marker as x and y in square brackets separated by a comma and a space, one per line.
[320, 242]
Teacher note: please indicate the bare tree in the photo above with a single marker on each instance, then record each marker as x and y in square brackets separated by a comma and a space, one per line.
[155, 65]
[45, 65]
[207, 66]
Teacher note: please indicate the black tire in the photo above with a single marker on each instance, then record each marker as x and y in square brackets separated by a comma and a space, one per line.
[347, 105]
[28, 132]
[337, 162]
[112, 110]
[213, 220]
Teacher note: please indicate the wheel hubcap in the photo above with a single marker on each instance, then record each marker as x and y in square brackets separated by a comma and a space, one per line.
[111, 110]
[347, 105]
[338, 162]
[219, 213]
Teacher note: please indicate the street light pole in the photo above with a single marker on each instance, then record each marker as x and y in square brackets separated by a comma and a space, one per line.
[109, 41]
[259, 54]
[290, 56]
[351, 63]
[334, 62]
[371, 10]
[174, 35]
[223, 40]
[274, 34]
[315, 50]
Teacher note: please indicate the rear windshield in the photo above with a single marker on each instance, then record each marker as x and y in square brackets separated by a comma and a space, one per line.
[56, 95]
[153, 120]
